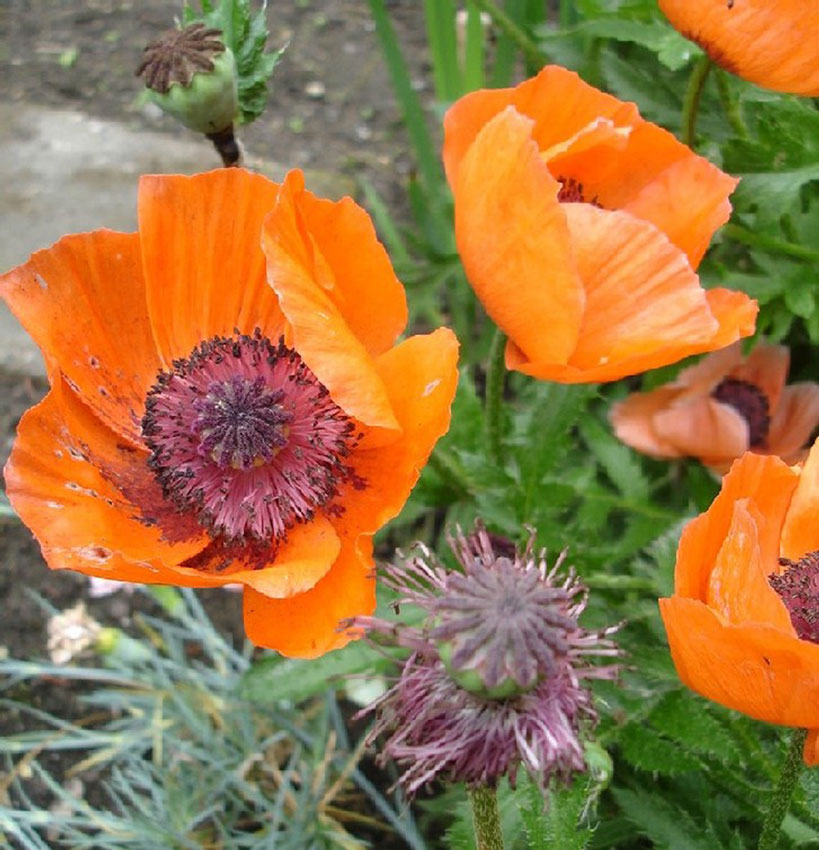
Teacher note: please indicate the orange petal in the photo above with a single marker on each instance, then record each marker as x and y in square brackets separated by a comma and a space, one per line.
[514, 242]
[307, 625]
[738, 588]
[766, 367]
[80, 518]
[703, 428]
[303, 280]
[633, 422]
[204, 268]
[810, 752]
[421, 375]
[83, 301]
[345, 258]
[558, 101]
[642, 296]
[794, 419]
[768, 484]
[772, 44]
[300, 562]
[800, 533]
[754, 669]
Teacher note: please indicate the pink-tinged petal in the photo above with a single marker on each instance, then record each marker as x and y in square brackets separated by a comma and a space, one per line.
[794, 420]
[704, 428]
[766, 367]
[633, 422]
[800, 532]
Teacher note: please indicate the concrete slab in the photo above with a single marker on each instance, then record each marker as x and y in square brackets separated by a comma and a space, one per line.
[64, 172]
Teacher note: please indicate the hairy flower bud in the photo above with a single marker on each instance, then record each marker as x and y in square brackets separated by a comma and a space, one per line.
[498, 668]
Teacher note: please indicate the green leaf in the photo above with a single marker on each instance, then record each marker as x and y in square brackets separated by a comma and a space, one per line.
[274, 678]
[620, 462]
[647, 750]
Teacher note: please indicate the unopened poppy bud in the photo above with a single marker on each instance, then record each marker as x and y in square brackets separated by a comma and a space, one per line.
[191, 74]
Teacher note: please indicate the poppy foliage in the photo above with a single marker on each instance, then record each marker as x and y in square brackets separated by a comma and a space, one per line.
[580, 225]
[742, 623]
[724, 406]
[228, 402]
[772, 43]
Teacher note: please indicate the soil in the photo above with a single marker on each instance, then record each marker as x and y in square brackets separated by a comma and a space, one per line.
[331, 109]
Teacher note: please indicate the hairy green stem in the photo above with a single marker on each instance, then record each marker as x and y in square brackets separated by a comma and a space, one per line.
[486, 818]
[508, 26]
[495, 374]
[691, 103]
[781, 798]
[730, 105]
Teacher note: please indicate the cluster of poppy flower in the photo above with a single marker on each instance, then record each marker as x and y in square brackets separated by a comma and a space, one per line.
[229, 404]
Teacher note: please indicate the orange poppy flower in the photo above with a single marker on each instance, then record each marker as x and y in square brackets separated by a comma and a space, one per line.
[721, 408]
[227, 401]
[580, 224]
[772, 43]
[742, 623]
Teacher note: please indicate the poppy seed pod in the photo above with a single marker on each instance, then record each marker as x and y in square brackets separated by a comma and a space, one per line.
[191, 74]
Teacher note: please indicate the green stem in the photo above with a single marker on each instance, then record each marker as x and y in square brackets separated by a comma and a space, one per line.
[781, 799]
[486, 818]
[769, 243]
[495, 374]
[691, 103]
[448, 467]
[730, 105]
[507, 25]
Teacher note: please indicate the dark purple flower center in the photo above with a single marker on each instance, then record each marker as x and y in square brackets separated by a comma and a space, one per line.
[243, 435]
[798, 587]
[572, 192]
[751, 404]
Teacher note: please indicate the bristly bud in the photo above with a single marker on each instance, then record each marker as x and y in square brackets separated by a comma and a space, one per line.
[191, 74]
[498, 667]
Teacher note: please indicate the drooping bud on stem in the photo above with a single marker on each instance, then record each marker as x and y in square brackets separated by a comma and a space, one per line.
[191, 74]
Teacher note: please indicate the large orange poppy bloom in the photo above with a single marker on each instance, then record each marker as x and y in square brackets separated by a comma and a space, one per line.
[772, 43]
[580, 225]
[721, 408]
[227, 401]
[734, 638]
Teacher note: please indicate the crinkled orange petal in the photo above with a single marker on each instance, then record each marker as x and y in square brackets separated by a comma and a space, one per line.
[754, 669]
[642, 297]
[514, 242]
[81, 520]
[595, 141]
[810, 752]
[307, 625]
[421, 375]
[768, 484]
[703, 428]
[205, 271]
[560, 103]
[772, 43]
[800, 532]
[738, 588]
[83, 301]
[795, 418]
[302, 279]
[299, 563]
[766, 367]
[351, 266]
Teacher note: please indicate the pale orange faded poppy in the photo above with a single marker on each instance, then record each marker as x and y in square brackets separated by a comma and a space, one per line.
[773, 43]
[580, 225]
[743, 623]
[721, 408]
[228, 400]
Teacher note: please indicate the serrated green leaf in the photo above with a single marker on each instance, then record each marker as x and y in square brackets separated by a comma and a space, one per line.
[647, 750]
[685, 718]
[274, 678]
[620, 463]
